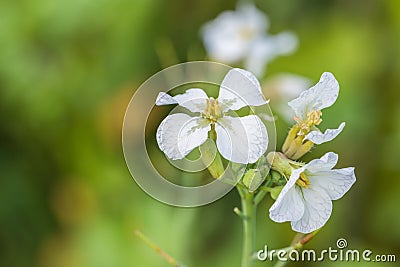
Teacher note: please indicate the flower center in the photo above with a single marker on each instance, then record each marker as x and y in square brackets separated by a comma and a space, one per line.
[313, 119]
[213, 110]
[303, 181]
[247, 33]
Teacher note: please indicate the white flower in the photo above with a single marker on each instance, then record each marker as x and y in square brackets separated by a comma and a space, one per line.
[241, 36]
[306, 199]
[238, 139]
[307, 108]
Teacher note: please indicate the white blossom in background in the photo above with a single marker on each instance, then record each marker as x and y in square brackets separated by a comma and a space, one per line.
[307, 108]
[238, 139]
[240, 36]
[306, 199]
[281, 88]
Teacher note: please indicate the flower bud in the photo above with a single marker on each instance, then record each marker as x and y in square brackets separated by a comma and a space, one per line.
[277, 178]
[279, 162]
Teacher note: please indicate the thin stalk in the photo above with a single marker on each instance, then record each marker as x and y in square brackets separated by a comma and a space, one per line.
[263, 191]
[249, 228]
[297, 246]
[158, 250]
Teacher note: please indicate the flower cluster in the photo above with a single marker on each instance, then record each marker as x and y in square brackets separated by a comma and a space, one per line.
[306, 199]
[233, 140]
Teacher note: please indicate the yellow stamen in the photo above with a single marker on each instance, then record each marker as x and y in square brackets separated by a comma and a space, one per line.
[246, 33]
[213, 110]
[303, 181]
[313, 119]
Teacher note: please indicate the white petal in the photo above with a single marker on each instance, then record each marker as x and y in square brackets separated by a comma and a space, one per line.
[289, 204]
[318, 97]
[325, 163]
[334, 182]
[241, 139]
[194, 99]
[165, 99]
[261, 53]
[266, 48]
[318, 137]
[317, 210]
[252, 17]
[240, 88]
[286, 43]
[222, 39]
[178, 134]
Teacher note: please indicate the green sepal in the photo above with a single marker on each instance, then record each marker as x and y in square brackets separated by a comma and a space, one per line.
[275, 191]
[277, 178]
[209, 153]
[253, 179]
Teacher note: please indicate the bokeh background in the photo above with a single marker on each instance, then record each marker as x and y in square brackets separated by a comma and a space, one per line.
[67, 72]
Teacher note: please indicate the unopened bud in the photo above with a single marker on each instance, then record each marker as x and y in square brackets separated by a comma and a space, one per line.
[279, 162]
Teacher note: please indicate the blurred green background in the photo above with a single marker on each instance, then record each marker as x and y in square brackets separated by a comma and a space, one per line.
[67, 72]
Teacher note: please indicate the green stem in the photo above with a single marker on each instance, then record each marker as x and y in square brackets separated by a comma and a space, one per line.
[297, 246]
[263, 191]
[249, 227]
